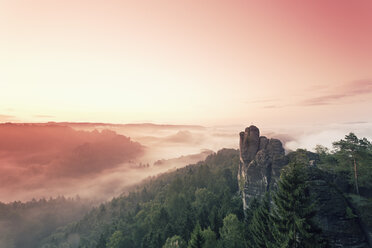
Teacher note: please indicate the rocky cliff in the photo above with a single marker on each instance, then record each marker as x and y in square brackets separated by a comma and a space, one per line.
[261, 160]
[339, 223]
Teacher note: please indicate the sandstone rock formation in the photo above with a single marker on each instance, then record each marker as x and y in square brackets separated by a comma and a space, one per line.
[261, 160]
[340, 226]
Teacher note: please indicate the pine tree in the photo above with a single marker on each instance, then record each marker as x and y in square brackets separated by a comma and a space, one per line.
[116, 240]
[174, 242]
[355, 149]
[196, 240]
[294, 211]
[210, 238]
[253, 205]
[260, 226]
[101, 242]
[215, 220]
[232, 233]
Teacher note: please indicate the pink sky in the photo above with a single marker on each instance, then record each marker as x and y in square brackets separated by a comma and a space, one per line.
[190, 62]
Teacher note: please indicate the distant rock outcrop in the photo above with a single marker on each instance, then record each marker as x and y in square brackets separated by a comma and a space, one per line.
[261, 160]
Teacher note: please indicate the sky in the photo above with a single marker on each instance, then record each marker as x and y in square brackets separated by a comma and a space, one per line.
[277, 63]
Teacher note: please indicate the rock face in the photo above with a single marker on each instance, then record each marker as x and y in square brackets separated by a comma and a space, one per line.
[261, 160]
[340, 226]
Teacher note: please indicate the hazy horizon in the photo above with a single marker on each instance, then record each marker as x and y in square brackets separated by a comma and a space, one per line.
[300, 71]
[100, 161]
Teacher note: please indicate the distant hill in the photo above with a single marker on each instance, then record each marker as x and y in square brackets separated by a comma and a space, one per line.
[235, 197]
[171, 203]
[46, 160]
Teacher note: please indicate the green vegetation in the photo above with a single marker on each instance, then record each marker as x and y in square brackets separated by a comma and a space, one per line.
[197, 240]
[200, 205]
[288, 221]
[294, 211]
[350, 161]
[175, 242]
[167, 210]
[232, 233]
[23, 225]
[260, 226]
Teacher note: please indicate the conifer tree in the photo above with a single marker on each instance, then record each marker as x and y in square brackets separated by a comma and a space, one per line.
[232, 233]
[253, 205]
[355, 149]
[294, 211]
[210, 239]
[196, 240]
[174, 242]
[260, 227]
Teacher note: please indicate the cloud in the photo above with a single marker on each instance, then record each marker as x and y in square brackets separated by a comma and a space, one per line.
[267, 100]
[183, 160]
[309, 136]
[322, 100]
[184, 136]
[51, 159]
[283, 137]
[271, 106]
[349, 90]
[181, 137]
[44, 116]
[355, 122]
[7, 118]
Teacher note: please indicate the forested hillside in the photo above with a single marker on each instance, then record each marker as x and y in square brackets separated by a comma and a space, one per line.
[171, 205]
[25, 224]
[320, 199]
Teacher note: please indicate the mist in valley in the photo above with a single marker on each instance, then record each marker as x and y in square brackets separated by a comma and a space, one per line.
[96, 161]
[99, 161]
[53, 173]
